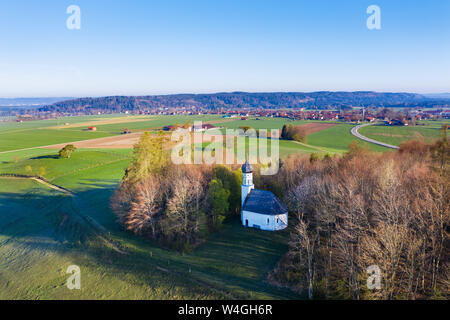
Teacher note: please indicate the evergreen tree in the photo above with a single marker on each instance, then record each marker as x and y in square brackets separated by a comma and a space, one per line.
[284, 132]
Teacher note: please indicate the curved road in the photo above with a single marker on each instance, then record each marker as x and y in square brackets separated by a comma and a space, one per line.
[360, 136]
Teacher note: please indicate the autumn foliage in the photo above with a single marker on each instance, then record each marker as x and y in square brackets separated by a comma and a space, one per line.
[291, 132]
[365, 209]
[174, 205]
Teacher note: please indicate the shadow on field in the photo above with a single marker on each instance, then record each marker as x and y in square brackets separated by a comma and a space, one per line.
[45, 157]
[232, 263]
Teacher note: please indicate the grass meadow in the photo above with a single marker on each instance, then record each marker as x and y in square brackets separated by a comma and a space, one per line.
[42, 232]
[427, 131]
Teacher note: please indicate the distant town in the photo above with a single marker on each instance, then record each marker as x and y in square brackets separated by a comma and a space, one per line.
[395, 108]
[354, 115]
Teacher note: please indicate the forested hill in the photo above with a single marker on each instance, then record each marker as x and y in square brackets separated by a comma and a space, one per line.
[276, 100]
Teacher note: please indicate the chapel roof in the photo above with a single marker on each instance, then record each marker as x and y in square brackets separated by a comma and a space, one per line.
[247, 167]
[264, 202]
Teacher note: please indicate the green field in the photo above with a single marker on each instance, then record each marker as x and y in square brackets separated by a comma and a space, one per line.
[33, 134]
[263, 123]
[43, 231]
[338, 138]
[155, 122]
[28, 134]
[427, 131]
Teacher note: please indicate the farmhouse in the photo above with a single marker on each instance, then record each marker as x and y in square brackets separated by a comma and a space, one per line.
[260, 209]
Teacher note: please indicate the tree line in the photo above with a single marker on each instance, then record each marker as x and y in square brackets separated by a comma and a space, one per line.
[389, 210]
[227, 100]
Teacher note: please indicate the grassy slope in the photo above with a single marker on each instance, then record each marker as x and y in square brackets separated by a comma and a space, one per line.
[396, 135]
[41, 237]
[286, 148]
[55, 167]
[38, 248]
[334, 140]
[337, 139]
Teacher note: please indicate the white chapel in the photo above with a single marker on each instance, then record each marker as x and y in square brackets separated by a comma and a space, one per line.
[260, 209]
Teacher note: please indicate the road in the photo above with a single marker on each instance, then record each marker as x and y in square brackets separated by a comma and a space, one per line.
[360, 136]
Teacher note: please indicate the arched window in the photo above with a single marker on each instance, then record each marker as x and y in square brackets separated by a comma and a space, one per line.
[278, 220]
[267, 220]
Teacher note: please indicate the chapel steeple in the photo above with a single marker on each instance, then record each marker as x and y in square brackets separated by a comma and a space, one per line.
[247, 181]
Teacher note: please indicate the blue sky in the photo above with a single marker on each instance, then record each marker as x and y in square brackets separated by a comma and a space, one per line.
[138, 47]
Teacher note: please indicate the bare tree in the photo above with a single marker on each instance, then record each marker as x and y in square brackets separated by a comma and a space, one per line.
[184, 214]
[143, 215]
[303, 245]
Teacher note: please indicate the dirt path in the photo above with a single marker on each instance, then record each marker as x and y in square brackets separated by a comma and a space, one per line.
[99, 230]
[38, 180]
[102, 234]
[53, 186]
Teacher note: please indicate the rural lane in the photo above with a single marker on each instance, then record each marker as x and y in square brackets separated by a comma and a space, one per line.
[360, 136]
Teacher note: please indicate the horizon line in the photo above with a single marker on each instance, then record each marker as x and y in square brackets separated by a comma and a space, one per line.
[216, 92]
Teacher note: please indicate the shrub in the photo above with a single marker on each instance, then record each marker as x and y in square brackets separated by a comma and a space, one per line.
[66, 152]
